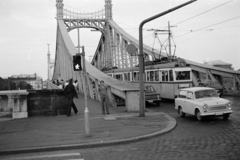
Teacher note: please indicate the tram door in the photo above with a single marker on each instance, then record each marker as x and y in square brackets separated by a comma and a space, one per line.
[166, 84]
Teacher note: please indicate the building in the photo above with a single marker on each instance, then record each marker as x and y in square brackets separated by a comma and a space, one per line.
[219, 63]
[32, 79]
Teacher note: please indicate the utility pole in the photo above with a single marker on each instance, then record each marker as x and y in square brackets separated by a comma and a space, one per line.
[169, 41]
[48, 55]
[141, 56]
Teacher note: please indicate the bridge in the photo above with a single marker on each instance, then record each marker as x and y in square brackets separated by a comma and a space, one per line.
[111, 52]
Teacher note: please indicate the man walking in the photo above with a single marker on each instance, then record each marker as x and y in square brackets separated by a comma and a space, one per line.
[103, 94]
[70, 93]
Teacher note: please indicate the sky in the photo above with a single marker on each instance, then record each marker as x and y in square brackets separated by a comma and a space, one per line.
[202, 31]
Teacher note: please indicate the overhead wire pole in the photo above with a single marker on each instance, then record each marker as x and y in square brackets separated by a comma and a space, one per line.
[141, 58]
[169, 41]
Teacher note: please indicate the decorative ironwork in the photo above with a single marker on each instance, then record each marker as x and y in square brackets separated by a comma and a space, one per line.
[68, 14]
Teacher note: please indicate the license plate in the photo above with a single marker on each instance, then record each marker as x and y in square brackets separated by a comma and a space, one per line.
[219, 113]
[150, 101]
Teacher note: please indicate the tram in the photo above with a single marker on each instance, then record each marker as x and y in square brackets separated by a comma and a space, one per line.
[166, 78]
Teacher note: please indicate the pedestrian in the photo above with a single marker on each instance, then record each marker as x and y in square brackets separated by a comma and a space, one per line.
[70, 93]
[65, 84]
[76, 85]
[57, 82]
[103, 94]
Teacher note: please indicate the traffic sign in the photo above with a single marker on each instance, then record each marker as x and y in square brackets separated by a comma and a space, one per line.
[131, 49]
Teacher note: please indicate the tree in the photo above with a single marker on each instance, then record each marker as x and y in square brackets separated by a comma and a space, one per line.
[3, 84]
[13, 85]
[24, 85]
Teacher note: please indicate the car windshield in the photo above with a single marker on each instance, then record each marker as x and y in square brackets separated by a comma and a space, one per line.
[149, 89]
[206, 93]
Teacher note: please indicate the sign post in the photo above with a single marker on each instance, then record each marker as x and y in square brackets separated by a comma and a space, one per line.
[86, 111]
[83, 68]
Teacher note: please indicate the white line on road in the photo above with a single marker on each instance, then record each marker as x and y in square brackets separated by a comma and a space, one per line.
[48, 156]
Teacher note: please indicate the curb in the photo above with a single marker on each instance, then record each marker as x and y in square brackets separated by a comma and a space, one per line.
[172, 125]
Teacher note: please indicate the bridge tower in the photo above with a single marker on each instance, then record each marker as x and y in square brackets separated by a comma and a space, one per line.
[97, 20]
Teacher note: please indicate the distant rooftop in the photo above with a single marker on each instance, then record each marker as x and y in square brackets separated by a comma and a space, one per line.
[217, 62]
[25, 76]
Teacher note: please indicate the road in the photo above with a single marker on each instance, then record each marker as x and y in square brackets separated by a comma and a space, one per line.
[214, 139]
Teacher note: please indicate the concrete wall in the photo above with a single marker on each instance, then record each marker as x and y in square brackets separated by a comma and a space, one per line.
[46, 102]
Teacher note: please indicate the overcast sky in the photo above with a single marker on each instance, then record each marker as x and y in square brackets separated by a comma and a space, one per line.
[205, 30]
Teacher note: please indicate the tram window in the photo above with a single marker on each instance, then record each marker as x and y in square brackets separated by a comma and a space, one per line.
[164, 76]
[119, 77]
[110, 74]
[125, 76]
[148, 76]
[135, 76]
[182, 75]
[152, 76]
[171, 75]
[156, 76]
[128, 76]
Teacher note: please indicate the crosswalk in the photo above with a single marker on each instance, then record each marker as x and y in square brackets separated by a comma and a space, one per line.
[46, 156]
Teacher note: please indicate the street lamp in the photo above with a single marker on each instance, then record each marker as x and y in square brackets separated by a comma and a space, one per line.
[141, 58]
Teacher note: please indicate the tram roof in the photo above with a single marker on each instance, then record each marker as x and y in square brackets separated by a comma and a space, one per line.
[149, 67]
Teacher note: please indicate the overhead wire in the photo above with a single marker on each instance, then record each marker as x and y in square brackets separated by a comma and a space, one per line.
[207, 26]
[203, 12]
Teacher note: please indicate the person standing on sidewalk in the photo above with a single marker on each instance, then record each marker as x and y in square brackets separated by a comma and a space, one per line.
[70, 93]
[103, 94]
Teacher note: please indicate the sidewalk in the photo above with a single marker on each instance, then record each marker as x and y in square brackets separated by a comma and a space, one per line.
[48, 133]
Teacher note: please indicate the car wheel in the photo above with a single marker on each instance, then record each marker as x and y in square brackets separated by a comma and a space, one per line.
[198, 115]
[157, 103]
[225, 116]
[180, 112]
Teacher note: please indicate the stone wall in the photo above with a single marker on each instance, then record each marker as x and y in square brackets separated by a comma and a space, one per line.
[46, 102]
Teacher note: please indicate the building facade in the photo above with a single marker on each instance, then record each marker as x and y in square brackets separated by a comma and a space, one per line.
[32, 79]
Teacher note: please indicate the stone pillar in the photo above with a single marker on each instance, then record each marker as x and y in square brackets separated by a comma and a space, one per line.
[17, 100]
[20, 106]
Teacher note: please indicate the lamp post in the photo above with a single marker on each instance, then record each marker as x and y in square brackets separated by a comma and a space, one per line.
[141, 58]
[86, 111]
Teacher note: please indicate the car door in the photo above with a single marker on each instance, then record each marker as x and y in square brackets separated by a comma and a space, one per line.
[189, 102]
[181, 100]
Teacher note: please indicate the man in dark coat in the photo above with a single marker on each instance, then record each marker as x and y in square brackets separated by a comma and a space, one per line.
[70, 93]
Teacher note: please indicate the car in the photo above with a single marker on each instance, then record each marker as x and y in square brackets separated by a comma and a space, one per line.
[214, 85]
[202, 102]
[151, 95]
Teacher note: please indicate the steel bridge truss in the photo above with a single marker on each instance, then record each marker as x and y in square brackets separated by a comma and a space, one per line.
[111, 52]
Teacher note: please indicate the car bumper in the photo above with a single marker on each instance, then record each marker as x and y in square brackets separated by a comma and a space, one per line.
[155, 100]
[220, 113]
